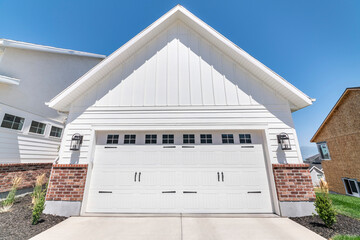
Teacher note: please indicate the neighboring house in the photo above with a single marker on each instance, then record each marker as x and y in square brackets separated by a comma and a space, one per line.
[338, 140]
[180, 120]
[30, 131]
[30, 75]
[315, 169]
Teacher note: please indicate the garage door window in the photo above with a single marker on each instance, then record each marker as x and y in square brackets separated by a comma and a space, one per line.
[168, 138]
[112, 139]
[227, 138]
[205, 138]
[129, 139]
[245, 138]
[188, 138]
[150, 138]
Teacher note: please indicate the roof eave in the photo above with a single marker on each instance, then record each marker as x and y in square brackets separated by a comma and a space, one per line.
[36, 47]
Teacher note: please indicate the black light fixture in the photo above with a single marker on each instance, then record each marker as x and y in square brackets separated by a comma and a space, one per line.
[284, 141]
[76, 141]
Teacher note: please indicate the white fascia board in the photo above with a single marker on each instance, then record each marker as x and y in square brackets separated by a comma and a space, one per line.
[307, 100]
[36, 47]
[59, 102]
[62, 100]
[9, 80]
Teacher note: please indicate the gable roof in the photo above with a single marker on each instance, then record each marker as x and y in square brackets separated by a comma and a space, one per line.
[42, 48]
[316, 168]
[347, 90]
[296, 98]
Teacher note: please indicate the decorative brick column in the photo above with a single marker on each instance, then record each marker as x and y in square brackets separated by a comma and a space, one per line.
[66, 189]
[28, 171]
[294, 189]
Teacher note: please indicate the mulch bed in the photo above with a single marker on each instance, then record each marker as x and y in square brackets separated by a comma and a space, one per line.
[344, 225]
[16, 224]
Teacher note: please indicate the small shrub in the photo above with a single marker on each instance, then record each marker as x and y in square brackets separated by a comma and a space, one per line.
[324, 209]
[38, 198]
[10, 199]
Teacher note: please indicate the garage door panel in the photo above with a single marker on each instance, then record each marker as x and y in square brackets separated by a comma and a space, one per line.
[109, 179]
[245, 178]
[187, 179]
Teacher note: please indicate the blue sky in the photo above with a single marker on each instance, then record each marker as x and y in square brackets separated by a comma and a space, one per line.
[314, 44]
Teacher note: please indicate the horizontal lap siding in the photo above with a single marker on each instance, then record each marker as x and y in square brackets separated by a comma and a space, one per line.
[17, 147]
[275, 120]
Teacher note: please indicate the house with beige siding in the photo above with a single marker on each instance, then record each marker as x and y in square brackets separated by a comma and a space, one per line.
[338, 140]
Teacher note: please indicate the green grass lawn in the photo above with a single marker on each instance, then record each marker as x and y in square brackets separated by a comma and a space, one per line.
[346, 205]
[346, 237]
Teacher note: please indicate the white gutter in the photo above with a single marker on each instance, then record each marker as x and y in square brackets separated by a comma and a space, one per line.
[9, 80]
[36, 47]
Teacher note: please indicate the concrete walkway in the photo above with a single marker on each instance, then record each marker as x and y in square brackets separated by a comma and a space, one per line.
[177, 228]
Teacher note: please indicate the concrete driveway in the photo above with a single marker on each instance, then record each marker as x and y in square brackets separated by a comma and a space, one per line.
[178, 228]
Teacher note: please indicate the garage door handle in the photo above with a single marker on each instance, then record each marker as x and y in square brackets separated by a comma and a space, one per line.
[169, 192]
[222, 176]
[189, 192]
[139, 176]
[135, 177]
[254, 192]
[218, 176]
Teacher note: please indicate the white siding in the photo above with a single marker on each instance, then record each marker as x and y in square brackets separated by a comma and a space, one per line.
[180, 80]
[184, 70]
[277, 121]
[20, 146]
[42, 76]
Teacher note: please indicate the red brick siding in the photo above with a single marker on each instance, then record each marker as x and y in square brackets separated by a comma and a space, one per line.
[67, 182]
[293, 182]
[28, 171]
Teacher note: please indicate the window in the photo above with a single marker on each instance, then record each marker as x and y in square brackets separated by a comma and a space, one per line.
[319, 176]
[205, 138]
[351, 186]
[227, 138]
[245, 138]
[129, 139]
[55, 132]
[150, 138]
[323, 150]
[37, 127]
[168, 138]
[112, 139]
[12, 122]
[188, 138]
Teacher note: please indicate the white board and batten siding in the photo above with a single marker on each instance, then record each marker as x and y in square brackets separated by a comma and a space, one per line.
[179, 80]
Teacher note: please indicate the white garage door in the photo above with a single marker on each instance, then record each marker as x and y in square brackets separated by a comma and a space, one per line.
[204, 176]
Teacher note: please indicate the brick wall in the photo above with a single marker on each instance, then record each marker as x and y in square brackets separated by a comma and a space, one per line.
[67, 182]
[28, 171]
[293, 182]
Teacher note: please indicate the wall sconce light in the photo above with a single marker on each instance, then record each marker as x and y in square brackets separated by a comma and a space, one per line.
[76, 141]
[284, 141]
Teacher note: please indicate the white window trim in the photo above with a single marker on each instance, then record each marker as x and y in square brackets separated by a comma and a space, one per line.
[61, 135]
[356, 185]
[11, 129]
[321, 155]
[38, 134]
